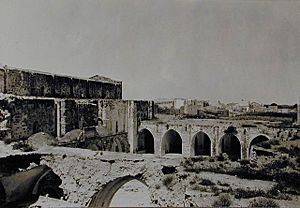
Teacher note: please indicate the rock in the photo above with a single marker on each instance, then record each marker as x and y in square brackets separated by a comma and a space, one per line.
[41, 139]
[72, 136]
[225, 156]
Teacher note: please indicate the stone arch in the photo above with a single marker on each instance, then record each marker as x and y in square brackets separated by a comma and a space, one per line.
[258, 139]
[145, 142]
[104, 197]
[201, 144]
[171, 142]
[231, 145]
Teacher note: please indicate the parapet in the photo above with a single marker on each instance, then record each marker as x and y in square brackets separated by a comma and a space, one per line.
[23, 82]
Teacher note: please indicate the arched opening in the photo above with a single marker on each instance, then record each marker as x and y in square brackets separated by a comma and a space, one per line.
[201, 144]
[256, 141]
[127, 191]
[230, 145]
[145, 142]
[171, 142]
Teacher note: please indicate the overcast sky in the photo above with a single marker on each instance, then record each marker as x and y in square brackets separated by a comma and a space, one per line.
[214, 49]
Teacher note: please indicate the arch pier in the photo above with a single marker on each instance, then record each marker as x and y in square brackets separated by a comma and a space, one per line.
[187, 140]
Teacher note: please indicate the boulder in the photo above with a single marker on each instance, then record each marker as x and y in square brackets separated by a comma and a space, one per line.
[41, 139]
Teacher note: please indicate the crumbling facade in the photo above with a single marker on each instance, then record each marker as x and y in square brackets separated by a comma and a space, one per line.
[33, 102]
[40, 84]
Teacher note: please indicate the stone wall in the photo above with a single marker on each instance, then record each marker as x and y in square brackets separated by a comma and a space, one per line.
[76, 114]
[42, 85]
[215, 131]
[28, 116]
[87, 113]
[113, 115]
[125, 116]
[22, 117]
[17, 83]
[68, 116]
[33, 83]
[138, 111]
[145, 109]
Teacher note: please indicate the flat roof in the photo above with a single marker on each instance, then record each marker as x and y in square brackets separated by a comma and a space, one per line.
[110, 81]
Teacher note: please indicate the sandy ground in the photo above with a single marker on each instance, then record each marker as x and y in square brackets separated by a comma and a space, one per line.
[46, 202]
[132, 194]
[136, 194]
[7, 149]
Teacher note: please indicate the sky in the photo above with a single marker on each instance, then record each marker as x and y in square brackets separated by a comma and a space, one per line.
[229, 50]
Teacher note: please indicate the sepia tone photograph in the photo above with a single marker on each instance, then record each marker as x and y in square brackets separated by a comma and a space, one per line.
[149, 103]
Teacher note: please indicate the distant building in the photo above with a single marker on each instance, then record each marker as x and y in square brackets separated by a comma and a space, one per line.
[256, 107]
[194, 107]
[287, 108]
[178, 103]
[272, 108]
[169, 106]
[165, 104]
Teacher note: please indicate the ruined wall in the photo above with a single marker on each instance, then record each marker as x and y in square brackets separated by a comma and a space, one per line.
[138, 111]
[63, 87]
[80, 88]
[87, 113]
[59, 116]
[33, 83]
[30, 116]
[68, 116]
[17, 82]
[2, 80]
[113, 115]
[20, 118]
[124, 116]
[145, 109]
[95, 91]
[76, 114]
[42, 85]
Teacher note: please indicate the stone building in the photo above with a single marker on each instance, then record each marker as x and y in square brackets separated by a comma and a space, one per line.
[169, 106]
[32, 102]
[34, 83]
[194, 107]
